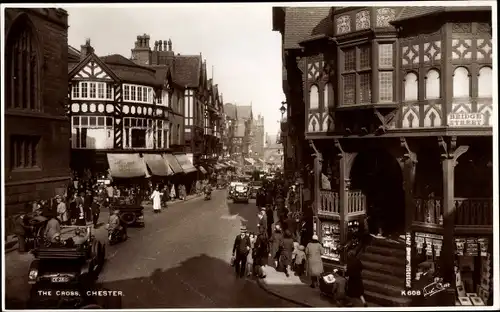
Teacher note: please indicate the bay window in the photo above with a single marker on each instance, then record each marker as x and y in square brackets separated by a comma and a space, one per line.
[92, 132]
[137, 94]
[357, 75]
[386, 72]
[90, 90]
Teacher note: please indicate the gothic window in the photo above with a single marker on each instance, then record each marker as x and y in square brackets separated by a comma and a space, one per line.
[313, 97]
[328, 95]
[22, 68]
[484, 82]
[432, 85]
[461, 83]
[411, 87]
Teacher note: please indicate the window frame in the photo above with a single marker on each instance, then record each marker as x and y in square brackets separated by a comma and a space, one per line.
[109, 124]
[354, 75]
[78, 88]
[20, 145]
[469, 80]
[133, 93]
[404, 93]
[386, 69]
[426, 94]
[479, 80]
[317, 96]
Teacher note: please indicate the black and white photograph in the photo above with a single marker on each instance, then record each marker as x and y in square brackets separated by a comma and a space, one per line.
[292, 155]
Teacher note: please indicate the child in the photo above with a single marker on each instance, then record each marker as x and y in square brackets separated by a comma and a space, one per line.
[253, 238]
[300, 261]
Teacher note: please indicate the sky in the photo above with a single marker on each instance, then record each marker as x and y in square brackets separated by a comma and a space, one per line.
[236, 39]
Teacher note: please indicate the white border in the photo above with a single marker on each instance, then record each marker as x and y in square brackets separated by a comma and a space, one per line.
[493, 4]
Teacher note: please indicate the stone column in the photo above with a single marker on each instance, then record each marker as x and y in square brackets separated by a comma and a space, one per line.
[449, 156]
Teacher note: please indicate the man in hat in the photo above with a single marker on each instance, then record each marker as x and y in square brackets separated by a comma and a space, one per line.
[241, 248]
[62, 212]
[262, 219]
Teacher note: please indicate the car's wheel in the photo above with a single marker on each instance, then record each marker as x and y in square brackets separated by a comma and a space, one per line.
[128, 218]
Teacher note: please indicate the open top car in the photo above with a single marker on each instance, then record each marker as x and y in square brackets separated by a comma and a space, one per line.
[71, 262]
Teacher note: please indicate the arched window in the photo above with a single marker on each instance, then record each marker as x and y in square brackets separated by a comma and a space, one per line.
[313, 97]
[411, 87]
[461, 83]
[328, 94]
[21, 67]
[484, 81]
[432, 85]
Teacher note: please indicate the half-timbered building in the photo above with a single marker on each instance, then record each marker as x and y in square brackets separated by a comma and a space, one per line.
[397, 108]
[36, 128]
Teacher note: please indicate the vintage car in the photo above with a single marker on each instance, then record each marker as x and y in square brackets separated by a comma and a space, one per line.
[254, 188]
[241, 193]
[131, 213]
[70, 263]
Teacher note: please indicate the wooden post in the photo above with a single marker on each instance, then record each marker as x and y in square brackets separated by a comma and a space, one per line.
[449, 156]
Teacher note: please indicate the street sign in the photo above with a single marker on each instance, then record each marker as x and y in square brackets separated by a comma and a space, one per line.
[466, 119]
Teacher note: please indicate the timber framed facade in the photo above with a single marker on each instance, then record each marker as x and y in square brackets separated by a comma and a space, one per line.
[397, 105]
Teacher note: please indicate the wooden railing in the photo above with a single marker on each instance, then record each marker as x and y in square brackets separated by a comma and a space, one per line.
[468, 211]
[330, 204]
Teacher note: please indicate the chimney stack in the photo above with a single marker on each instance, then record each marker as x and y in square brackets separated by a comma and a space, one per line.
[146, 41]
[156, 46]
[165, 46]
[86, 49]
[160, 46]
[169, 45]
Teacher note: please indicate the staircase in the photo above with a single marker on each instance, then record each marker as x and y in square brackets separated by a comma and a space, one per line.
[384, 273]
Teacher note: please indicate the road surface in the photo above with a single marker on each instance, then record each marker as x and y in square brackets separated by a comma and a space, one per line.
[179, 260]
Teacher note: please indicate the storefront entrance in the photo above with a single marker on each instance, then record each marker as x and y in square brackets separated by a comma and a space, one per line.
[378, 175]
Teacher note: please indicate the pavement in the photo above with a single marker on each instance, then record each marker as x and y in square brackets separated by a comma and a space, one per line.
[180, 259]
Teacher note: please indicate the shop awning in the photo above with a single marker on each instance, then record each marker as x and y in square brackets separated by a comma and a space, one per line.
[127, 166]
[250, 161]
[157, 165]
[203, 170]
[173, 163]
[185, 163]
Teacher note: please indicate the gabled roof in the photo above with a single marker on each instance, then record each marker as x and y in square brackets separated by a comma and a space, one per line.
[73, 54]
[244, 112]
[230, 111]
[303, 22]
[186, 70]
[74, 68]
[162, 73]
[129, 71]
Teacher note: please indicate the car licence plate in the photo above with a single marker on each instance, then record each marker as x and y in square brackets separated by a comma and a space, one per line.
[60, 279]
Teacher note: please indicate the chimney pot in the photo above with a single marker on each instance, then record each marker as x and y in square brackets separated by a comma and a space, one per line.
[169, 45]
[156, 45]
[160, 46]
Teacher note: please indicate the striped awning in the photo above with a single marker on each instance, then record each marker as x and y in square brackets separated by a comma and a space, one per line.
[185, 163]
[157, 164]
[173, 163]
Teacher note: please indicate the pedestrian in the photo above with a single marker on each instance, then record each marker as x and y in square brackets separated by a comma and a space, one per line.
[354, 268]
[80, 212]
[96, 210]
[261, 252]
[300, 260]
[276, 241]
[156, 197]
[87, 203]
[286, 253]
[173, 194]
[262, 217]
[250, 256]
[241, 248]
[21, 232]
[62, 211]
[314, 262]
[270, 220]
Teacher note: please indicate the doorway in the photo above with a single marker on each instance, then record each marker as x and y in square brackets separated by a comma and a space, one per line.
[378, 175]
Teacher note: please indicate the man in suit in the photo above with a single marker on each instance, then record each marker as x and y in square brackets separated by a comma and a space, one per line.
[241, 248]
[262, 219]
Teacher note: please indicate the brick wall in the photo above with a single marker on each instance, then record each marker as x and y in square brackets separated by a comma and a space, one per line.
[50, 28]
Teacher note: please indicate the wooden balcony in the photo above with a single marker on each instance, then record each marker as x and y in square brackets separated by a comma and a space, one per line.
[471, 214]
[330, 204]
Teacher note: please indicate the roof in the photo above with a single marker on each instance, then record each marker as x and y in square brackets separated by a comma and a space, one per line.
[129, 71]
[244, 112]
[187, 70]
[303, 22]
[411, 12]
[73, 54]
[161, 72]
[230, 111]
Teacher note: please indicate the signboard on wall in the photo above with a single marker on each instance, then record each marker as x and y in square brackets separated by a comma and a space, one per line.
[466, 120]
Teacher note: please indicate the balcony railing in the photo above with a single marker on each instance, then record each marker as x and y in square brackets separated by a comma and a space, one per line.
[468, 211]
[330, 204]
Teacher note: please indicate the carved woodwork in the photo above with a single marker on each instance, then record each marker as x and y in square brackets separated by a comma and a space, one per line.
[348, 161]
[450, 150]
[387, 119]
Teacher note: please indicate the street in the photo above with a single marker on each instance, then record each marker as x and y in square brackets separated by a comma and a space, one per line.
[179, 260]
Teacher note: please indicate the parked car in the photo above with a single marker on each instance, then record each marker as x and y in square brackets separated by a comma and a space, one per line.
[254, 188]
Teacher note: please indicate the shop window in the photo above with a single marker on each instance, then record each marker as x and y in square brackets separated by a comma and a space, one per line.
[484, 83]
[432, 85]
[461, 83]
[330, 239]
[23, 151]
[329, 96]
[92, 132]
[22, 67]
[385, 86]
[313, 97]
[411, 87]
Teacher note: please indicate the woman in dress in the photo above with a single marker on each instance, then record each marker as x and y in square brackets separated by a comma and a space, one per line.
[156, 197]
[314, 262]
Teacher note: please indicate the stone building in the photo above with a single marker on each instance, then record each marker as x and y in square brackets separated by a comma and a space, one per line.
[36, 127]
[258, 139]
[396, 104]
